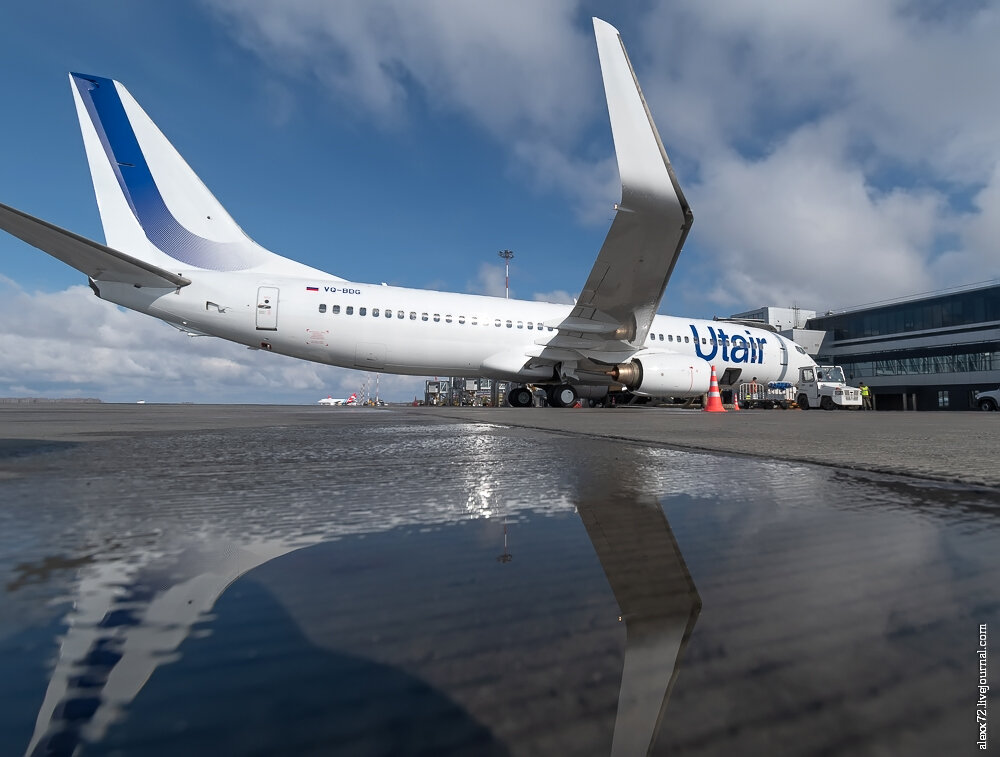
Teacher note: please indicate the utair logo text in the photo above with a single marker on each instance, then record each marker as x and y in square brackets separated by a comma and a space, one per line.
[735, 349]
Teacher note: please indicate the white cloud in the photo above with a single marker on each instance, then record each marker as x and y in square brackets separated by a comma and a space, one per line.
[827, 149]
[508, 66]
[560, 296]
[490, 280]
[71, 344]
[523, 72]
[803, 225]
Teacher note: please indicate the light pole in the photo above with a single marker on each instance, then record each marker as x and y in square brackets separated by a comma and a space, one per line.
[506, 255]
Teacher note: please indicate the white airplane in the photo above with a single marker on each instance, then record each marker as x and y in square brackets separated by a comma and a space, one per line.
[173, 252]
[334, 402]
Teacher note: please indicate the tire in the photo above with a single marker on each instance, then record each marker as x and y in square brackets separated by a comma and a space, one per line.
[827, 403]
[519, 397]
[563, 395]
[802, 401]
[988, 405]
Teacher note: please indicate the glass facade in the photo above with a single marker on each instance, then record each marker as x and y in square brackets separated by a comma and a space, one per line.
[959, 309]
[952, 361]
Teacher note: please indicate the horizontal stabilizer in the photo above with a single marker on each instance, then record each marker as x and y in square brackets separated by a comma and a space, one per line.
[92, 258]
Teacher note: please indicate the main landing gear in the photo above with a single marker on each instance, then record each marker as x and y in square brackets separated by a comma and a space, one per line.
[563, 395]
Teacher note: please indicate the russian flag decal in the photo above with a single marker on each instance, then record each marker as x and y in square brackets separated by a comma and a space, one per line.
[312, 289]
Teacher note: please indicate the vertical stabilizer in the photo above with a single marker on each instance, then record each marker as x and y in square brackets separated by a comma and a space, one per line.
[153, 206]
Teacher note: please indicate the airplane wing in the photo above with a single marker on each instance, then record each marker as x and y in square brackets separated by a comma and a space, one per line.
[614, 311]
[92, 258]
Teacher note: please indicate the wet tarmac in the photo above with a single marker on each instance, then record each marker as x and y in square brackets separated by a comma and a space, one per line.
[285, 581]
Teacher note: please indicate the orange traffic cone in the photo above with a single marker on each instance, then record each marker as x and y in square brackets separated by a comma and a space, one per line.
[736, 398]
[714, 398]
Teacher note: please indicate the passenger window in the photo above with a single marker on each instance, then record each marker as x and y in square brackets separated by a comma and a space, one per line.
[361, 311]
[530, 325]
[374, 312]
[461, 319]
[661, 337]
[423, 316]
[350, 310]
[670, 337]
[400, 314]
[686, 339]
[335, 309]
[388, 313]
[437, 318]
[497, 323]
[520, 324]
[474, 321]
[447, 318]
[413, 316]
[322, 308]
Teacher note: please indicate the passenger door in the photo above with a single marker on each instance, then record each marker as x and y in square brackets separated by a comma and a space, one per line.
[267, 309]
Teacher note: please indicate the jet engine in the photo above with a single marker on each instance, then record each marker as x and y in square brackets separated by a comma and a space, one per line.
[664, 375]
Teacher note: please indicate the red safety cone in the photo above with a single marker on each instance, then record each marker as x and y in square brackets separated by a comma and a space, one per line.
[736, 398]
[714, 398]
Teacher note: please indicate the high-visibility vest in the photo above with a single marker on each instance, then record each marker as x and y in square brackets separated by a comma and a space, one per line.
[864, 391]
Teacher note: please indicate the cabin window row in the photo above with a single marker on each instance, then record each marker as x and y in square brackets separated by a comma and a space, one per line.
[435, 317]
[669, 338]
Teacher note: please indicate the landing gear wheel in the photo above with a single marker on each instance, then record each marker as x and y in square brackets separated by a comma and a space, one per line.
[802, 401]
[519, 396]
[563, 395]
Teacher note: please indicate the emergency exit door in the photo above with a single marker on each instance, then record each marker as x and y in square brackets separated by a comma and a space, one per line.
[267, 309]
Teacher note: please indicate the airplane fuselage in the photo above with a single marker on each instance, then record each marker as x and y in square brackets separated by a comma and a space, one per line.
[422, 332]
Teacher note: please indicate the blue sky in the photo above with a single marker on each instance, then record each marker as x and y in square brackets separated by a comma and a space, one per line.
[833, 155]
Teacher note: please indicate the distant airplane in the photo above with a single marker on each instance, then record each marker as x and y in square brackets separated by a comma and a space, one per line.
[173, 252]
[352, 400]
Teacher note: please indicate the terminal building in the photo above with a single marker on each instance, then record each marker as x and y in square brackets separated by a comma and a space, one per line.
[928, 352]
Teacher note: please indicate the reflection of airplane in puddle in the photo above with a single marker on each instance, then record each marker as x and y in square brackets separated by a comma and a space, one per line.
[657, 599]
[127, 619]
[334, 402]
[131, 614]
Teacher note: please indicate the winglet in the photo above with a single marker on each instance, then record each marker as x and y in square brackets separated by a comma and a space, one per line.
[635, 135]
[627, 281]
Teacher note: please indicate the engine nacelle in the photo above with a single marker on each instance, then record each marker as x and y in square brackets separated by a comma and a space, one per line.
[664, 375]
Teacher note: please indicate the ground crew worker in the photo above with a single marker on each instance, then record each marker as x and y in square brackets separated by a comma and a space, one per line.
[866, 397]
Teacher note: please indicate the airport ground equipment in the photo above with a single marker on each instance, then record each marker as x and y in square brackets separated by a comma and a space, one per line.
[770, 395]
[989, 401]
[824, 386]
